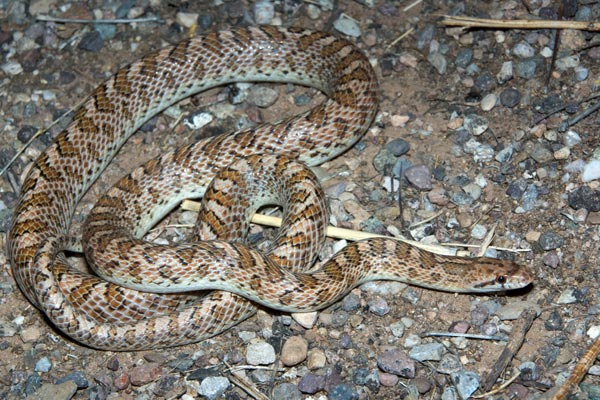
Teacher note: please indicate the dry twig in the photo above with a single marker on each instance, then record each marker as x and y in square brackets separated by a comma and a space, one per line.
[471, 22]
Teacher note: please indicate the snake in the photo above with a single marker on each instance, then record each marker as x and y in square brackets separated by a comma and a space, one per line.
[190, 292]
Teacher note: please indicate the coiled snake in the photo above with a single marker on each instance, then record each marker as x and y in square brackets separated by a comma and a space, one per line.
[106, 315]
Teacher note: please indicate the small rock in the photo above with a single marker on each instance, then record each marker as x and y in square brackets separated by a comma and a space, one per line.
[513, 310]
[550, 241]
[585, 197]
[264, 12]
[466, 383]
[567, 297]
[427, 352]
[398, 147]
[262, 96]
[506, 73]
[591, 171]
[438, 61]
[213, 387]
[523, 50]
[488, 102]
[510, 97]
[378, 306]
[306, 320]
[571, 138]
[396, 362]
[342, 392]
[311, 383]
[286, 391]
[78, 377]
[541, 153]
[91, 41]
[562, 154]
[64, 391]
[419, 176]
[478, 231]
[294, 351]
[144, 374]
[316, 359]
[347, 26]
[397, 328]
[43, 365]
[399, 121]
[449, 364]
[185, 19]
[526, 68]
[475, 124]
[260, 353]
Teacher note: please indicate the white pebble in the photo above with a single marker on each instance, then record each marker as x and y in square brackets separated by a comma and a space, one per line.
[591, 171]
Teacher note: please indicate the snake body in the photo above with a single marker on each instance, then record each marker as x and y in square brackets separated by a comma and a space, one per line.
[138, 313]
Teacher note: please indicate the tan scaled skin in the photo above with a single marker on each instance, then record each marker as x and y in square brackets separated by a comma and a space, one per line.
[103, 315]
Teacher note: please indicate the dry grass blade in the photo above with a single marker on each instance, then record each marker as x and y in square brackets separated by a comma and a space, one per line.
[471, 22]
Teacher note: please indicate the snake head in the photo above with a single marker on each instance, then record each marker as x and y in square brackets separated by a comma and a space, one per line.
[500, 275]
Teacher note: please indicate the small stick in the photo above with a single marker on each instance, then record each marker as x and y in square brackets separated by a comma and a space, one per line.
[578, 373]
[332, 231]
[501, 387]
[465, 335]
[514, 344]
[470, 22]
[48, 18]
[570, 122]
[486, 241]
[399, 38]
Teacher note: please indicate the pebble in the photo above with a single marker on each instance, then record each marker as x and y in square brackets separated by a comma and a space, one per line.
[585, 197]
[78, 377]
[571, 138]
[419, 176]
[464, 57]
[399, 121]
[506, 72]
[526, 69]
[438, 61]
[505, 155]
[311, 383]
[316, 359]
[567, 296]
[488, 102]
[396, 362]
[294, 351]
[12, 67]
[378, 306]
[382, 159]
[510, 97]
[342, 391]
[185, 19]
[144, 374]
[398, 147]
[347, 26]
[562, 154]
[473, 190]
[591, 171]
[91, 41]
[43, 365]
[264, 12]
[213, 387]
[351, 302]
[551, 259]
[523, 50]
[286, 391]
[198, 120]
[513, 310]
[530, 371]
[306, 320]
[262, 96]
[466, 383]
[581, 73]
[260, 353]
[427, 352]
[475, 124]
[550, 241]
[478, 232]
[449, 364]
[481, 152]
[63, 391]
[541, 153]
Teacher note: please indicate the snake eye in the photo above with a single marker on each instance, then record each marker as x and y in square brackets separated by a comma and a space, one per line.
[501, 279]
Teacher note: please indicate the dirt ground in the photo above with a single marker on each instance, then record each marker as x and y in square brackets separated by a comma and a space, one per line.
[426, 101]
